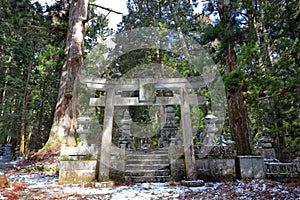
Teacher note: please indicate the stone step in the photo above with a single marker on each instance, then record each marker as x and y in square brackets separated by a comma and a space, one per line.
[155, 151]
[146, 166]
[147, 161]
[143, 179]
[161, 172]
[147, 156]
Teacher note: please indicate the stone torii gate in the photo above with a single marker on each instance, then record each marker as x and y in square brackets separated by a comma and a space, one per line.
[146, 86]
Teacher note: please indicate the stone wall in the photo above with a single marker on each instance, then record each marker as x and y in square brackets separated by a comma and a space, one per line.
[207, 169]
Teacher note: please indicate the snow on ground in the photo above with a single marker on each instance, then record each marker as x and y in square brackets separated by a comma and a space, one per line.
[42, 186]
[46, 186]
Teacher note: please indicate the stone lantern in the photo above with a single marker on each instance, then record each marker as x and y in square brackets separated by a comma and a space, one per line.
[84, 126]
[211, 129]
[210, 122]
[126, 122]
[266, 148]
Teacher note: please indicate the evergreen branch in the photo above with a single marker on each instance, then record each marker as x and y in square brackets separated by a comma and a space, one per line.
[281, 92]
[104, 8]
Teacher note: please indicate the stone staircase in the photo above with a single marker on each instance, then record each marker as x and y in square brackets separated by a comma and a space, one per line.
[147, 166]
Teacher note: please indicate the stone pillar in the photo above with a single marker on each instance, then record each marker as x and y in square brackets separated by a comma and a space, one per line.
[187, 132]
[105, 150]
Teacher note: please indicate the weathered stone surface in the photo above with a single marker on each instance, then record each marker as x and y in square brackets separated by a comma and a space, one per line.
[105, 151]
[117, 168]
[148, 167]
[134, 101]
[285, 172]
[78, 165]
[77, 171]
[187, 135]
[194, 183]
[250, 167]
[216, 169]
[76, 176]
[79, 150]
[177, 168]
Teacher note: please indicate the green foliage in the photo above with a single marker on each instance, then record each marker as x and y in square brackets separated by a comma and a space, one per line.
[265, 38]
[28, 51]
[234, 79]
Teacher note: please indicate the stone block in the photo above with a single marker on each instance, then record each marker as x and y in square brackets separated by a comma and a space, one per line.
[78, 171]
[250, 167]
[78, 165]
[194, 183]
[80, 150]
[216, 169]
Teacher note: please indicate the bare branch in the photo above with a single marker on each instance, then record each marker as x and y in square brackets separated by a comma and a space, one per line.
[104, 8]
[40, 28]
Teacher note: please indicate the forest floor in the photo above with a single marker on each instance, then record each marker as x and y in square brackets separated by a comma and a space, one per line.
[27, 181]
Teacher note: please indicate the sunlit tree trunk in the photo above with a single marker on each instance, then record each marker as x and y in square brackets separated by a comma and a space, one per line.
[24, 106]
[24, 113]
[64, 122]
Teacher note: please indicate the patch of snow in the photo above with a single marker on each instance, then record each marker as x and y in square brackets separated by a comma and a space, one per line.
[43, 185]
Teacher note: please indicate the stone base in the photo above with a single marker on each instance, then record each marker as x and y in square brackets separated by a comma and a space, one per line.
[216, 169]
[250, 167]
[194, 183]
[78, 171]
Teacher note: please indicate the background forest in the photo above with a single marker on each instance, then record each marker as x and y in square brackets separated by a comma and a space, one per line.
[254, 43]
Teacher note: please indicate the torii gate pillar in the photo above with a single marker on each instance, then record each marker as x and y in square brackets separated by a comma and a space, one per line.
[187, 134]
[105, 150]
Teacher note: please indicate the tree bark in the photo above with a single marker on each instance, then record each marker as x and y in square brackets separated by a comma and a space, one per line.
[237, 111]
[64, 122]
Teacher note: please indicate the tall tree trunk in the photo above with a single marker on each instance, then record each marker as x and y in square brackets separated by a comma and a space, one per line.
[236, 108]
[24, 112]
[237, 111]
[24, 106]
[64, 122]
